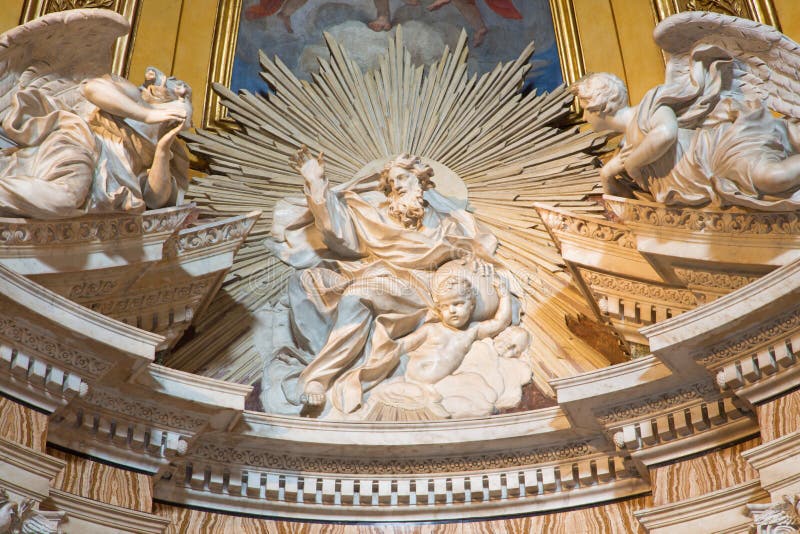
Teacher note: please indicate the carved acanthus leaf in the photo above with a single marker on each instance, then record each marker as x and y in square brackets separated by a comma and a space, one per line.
[29, 337]
[714, 279]
[625, 286]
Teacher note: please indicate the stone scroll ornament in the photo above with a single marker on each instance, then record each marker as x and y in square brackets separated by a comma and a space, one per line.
[76, 139]
[377, 287]
[709, 135]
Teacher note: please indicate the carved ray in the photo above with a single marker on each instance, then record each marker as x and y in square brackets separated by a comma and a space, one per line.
[507, 147]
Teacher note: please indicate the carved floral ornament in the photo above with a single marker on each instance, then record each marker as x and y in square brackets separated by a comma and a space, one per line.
[782, 517]
[231, 455]
[23, 517]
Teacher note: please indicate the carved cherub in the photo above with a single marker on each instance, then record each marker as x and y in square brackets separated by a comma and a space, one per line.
[436, 349]
[707, 135]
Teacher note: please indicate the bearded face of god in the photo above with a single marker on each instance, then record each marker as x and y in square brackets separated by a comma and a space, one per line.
[406, 203]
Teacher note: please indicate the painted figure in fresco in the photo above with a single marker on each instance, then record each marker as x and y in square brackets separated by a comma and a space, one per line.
[468, 9]
[284, 9]
[707, 136]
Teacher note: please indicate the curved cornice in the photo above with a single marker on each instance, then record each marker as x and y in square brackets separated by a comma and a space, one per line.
[206, 450]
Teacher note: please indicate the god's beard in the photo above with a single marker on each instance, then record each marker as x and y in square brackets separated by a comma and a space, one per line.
[407, 210]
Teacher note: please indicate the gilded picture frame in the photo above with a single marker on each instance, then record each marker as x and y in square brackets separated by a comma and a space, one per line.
[226, 35]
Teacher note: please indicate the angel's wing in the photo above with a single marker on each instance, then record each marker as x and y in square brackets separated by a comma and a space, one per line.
[58, 51]
[768, 62]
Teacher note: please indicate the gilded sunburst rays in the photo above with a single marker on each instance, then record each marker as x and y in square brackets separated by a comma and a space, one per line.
[511, 150]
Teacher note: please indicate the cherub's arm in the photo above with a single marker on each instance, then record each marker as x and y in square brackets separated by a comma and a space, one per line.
[656, 142]
[502, 318]
[413, 340]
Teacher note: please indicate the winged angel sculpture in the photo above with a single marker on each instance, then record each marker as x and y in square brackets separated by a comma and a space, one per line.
[77, 139]
[708, 135]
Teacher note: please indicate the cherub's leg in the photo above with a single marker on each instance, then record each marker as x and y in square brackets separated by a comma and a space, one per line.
[474, 18]
[381, 22]
[286, 12]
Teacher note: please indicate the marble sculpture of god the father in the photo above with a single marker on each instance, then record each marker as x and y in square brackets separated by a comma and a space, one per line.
[367, 251]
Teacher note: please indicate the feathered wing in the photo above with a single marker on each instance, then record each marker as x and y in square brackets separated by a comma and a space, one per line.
[57, 51]
[505, 146]
[767, 62]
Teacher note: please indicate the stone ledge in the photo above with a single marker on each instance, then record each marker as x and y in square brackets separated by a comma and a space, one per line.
[106, 515]
[694, 515]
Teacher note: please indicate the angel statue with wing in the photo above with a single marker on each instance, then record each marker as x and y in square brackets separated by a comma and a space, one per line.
[708, 135]
[76, 139]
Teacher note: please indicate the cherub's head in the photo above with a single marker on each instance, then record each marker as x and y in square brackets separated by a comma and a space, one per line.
[454, 298]
[403, 181]
[601, 95]
[512, 342]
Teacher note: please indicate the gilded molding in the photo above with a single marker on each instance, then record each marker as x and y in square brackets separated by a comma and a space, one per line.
[759, 10]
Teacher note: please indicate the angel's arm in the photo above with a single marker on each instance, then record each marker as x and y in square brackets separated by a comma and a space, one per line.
[656, 143]
[159, 187]
[115, 98]
[502, 318]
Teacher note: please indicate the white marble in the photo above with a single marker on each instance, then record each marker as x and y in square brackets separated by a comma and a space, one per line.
[84, 140]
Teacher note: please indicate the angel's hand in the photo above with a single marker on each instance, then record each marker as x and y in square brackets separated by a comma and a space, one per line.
[613, 168]
[311, 168]
[165, 114]
[165, 142]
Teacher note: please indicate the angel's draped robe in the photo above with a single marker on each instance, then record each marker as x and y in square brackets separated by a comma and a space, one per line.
[364, 280]
[71, 158]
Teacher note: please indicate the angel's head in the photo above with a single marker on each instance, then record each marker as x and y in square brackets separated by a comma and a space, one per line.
[602, 96]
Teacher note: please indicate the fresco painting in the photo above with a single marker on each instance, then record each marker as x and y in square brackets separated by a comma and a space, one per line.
[293, 30]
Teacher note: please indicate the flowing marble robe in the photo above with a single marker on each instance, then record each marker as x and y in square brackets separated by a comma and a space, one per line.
[71, 158]
[365, 278]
